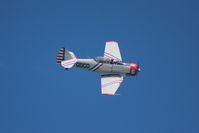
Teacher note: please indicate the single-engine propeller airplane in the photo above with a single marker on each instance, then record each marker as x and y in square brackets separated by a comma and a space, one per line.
[110, 66]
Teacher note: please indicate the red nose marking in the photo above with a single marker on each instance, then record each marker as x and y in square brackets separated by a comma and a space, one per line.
[134, 67]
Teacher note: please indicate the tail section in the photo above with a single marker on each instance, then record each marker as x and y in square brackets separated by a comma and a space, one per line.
[66, 58]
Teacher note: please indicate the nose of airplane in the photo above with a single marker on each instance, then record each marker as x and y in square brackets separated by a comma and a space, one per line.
[134, 69]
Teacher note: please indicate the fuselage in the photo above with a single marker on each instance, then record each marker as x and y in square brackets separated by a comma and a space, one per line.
[107, 67]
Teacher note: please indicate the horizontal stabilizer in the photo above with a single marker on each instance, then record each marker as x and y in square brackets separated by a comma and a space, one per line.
[66, 58]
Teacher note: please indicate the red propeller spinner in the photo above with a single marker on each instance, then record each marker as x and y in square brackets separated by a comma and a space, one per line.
[134, 69]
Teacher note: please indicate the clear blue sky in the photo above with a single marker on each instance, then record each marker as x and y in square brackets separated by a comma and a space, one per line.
[38, 96]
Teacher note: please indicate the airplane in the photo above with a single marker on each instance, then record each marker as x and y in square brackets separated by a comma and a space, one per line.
[110, 66]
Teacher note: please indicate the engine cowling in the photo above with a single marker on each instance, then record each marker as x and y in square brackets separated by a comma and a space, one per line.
[134, 68]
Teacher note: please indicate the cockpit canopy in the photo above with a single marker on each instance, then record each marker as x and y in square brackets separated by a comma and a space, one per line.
[107, 60]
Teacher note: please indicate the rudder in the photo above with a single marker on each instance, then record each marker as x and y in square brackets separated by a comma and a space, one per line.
[66, 58]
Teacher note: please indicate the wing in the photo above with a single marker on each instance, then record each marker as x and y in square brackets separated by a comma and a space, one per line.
[110, 83]
[112, 51]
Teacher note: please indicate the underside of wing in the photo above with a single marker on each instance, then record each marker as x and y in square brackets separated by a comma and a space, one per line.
[112, 51]
[110, 83]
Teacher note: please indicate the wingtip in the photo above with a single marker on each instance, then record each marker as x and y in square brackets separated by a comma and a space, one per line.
[107, 94]
[112, 42]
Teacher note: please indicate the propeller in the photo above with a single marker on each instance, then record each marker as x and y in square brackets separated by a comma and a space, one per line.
[138, 69]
